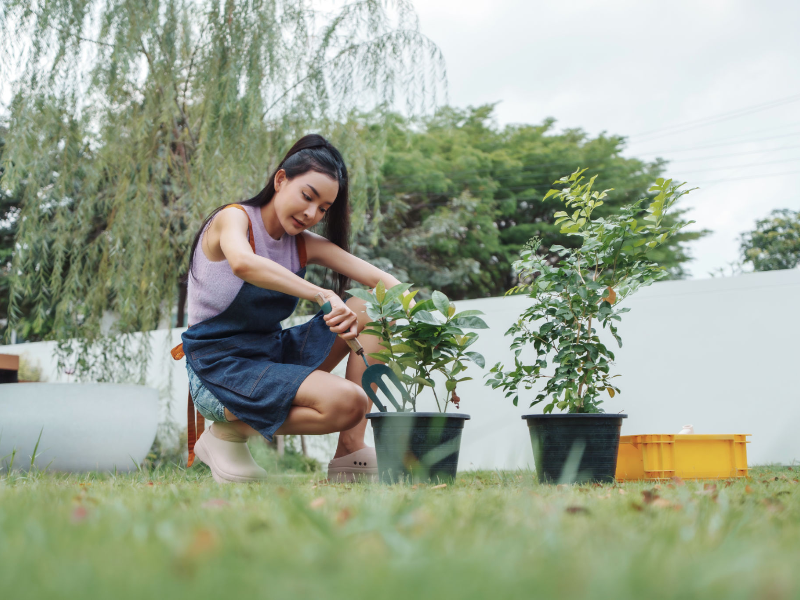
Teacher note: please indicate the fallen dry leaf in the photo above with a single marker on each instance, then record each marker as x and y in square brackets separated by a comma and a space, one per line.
[441, 486]
[649, 496]
[622, 492]
[343, 516]
[204, 540]
[710, 486]
[577, 509]
[748, 489]
[772, 504]
[317, 503]
[664, 503]
[79, 514]
[677, 481]
[636, 506]
[710, 493]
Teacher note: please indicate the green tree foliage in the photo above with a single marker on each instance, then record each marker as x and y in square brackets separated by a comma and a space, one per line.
[774, 243]
[461, 197]
[9, 212]
[133, 120]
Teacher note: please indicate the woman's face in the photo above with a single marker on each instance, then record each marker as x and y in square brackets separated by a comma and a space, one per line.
[301, 202]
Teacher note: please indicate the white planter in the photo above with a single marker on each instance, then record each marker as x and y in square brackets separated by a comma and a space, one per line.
[84, 426]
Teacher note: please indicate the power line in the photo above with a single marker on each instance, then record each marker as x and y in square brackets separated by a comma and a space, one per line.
[712, 120]
[736, 154]
[534, 170]
[535, 198]
[763, 176]
[717, 145]
[774, 162]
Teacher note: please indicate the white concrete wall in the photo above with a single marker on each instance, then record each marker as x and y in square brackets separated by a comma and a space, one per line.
[721, 354]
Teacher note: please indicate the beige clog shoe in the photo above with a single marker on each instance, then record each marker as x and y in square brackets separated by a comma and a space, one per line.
[358, 466]
[230, 462]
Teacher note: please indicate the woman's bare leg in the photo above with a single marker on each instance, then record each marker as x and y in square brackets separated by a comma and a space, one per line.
[352, 440]
[324, 403]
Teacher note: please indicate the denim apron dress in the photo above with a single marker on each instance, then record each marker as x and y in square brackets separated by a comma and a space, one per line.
[248, 361]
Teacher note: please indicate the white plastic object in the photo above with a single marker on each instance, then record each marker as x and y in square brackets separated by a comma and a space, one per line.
[687, 430]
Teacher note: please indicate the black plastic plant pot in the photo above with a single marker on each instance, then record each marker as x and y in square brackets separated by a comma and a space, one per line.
[575, 448]
[417, 446]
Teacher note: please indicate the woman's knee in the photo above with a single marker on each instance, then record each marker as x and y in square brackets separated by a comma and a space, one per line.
[350, 406]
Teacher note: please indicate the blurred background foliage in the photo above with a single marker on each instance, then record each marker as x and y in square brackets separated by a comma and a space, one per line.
[460, 196]
[131, 122]
[774, 243]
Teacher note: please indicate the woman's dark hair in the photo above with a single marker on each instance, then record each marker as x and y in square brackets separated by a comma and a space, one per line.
[310, 153]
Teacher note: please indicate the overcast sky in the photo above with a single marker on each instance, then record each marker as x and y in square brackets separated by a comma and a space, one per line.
[728, 68]
[629, 67]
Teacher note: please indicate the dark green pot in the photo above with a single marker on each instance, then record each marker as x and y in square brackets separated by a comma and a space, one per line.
[417, 446]
[575, 448]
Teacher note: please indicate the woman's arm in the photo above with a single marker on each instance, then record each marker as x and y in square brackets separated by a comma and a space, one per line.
[320, 251]
[226, 238]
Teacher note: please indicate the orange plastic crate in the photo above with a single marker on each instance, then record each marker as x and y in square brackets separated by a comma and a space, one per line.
[661, 456]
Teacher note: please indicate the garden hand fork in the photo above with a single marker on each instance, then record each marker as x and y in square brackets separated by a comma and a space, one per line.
[374, 373]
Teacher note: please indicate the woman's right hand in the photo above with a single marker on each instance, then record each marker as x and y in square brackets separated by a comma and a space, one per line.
[342, 319]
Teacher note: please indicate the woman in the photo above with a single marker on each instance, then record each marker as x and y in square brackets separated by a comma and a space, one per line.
[246, 374]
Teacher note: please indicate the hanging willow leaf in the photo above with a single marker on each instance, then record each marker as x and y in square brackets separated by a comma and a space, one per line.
[132, 121]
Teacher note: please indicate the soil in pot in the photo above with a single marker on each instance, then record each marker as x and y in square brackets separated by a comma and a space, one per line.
[417, 446]
[575, 448]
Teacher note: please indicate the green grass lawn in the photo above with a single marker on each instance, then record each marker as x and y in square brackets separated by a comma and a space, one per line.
[176, 533]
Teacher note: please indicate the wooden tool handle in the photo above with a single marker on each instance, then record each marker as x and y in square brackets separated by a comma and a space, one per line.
[354, 344]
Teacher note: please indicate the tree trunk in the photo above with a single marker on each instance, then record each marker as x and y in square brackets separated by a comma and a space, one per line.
[280, 443]
[183, 290]
[303, 445]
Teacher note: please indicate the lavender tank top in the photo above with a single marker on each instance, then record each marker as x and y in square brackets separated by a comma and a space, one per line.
[213, 286]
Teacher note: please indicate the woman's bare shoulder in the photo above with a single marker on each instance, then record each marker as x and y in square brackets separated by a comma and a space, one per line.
[228, 219]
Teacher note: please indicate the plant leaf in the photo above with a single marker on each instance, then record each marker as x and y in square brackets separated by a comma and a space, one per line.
[423, 316]
[380, 291]
[470, 323]
[477, 358]
[424, 305]
[395, 292]
[408, 298]
[441, 302]
[362, 294]
[468, 313]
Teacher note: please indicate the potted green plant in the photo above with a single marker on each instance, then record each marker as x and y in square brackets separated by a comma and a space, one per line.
[419, 346]
[572, 291]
